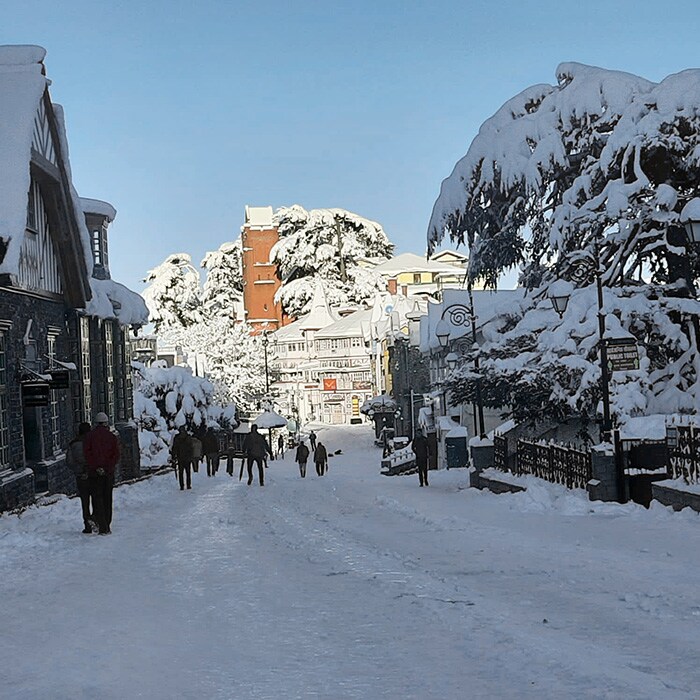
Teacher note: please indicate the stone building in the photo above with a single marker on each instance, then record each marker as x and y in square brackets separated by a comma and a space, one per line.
[63, 320]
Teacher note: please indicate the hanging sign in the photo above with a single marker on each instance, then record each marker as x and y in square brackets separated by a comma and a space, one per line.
[330, 384]
[35, 393]
[623, 354]
[60, 379]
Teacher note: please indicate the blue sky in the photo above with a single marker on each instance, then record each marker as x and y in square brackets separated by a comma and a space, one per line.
[181, 113]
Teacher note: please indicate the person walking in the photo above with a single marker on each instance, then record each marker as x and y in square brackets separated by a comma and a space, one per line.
[420, 449]
[182, 452]
[101, 448]
[256, 448]
[280, 447]
[320, 459]
[196, 453]
[301, 458]
[312, 440]
[210, 446]
[75, 458]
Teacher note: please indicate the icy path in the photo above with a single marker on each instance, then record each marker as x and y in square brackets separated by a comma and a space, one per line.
[350, 586]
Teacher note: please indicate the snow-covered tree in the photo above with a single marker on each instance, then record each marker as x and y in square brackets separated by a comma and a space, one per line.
[166, 398]
[592, 171]
[233, 358]
[173, 296]
[326, 244]
[223, 287]
[202, 321]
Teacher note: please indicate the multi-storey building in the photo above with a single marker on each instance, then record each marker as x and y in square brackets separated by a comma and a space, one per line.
[260, 281]
[63, 321]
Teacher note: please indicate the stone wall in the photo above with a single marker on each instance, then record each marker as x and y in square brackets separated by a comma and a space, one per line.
[675, 498]
[16, 488]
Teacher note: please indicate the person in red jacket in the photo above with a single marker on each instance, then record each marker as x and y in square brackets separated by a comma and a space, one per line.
[101, 448]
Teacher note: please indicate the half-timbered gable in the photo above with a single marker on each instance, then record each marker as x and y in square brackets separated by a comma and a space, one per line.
[63, 352]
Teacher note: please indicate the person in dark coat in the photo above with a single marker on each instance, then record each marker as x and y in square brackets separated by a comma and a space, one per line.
[312, 440]
[101, 448]
[210, 447]
[75, 458]
[320, 459]
[280, 446]
[182, 452]
[420, 449]
[301, 458]
[256, 448]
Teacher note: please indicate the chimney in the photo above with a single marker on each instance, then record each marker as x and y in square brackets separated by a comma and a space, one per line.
[404, 289]
[391, 285]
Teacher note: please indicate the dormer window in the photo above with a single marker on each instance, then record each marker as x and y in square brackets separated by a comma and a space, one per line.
[99, 246]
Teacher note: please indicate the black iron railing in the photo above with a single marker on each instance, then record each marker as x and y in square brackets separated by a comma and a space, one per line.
[559, 464]
[683, 446]
[500, 453]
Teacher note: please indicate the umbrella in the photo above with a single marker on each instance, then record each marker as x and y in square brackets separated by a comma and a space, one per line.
[270, 419]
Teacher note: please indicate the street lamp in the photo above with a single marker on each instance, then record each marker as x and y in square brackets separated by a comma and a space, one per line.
[690, 219]
[559, 294]
[461, 315]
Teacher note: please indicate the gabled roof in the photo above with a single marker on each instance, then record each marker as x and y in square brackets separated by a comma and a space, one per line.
[351, 326]
[22, 85]
[410, 262]
[320, 314]
[23, 90]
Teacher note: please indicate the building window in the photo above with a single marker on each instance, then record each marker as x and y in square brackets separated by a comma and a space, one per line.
[99, 245]
[109, 369]
[4, 417]
[54, 409]
[85, 367]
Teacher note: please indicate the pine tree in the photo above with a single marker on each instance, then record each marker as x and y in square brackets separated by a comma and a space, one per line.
[593, 171]
[326, 245]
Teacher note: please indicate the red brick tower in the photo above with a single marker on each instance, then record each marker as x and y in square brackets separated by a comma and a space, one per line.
[260, 282]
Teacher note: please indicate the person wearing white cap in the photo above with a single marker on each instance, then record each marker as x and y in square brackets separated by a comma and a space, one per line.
[101, 449]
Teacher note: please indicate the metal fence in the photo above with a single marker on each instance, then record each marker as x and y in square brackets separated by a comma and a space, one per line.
[683, 448]
[556, 463]
[500, 453]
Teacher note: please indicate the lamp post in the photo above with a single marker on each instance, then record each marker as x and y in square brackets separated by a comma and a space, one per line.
[559, 294]
[461, 315]
[265, 342]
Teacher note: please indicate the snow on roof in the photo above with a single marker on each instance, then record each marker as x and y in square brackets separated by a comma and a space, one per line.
[321, 314]
[410, 262]
[350, 326]
[97, 206]
[109, 298]
[258, 217]
[458, 258]
[22, 84]
[290, 332]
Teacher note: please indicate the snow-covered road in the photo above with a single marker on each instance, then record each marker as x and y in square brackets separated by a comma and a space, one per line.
[350, 586]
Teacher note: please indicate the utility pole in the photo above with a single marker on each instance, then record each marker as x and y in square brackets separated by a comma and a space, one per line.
[339, 239]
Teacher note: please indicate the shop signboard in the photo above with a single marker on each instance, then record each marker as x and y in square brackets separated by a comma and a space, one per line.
[623, 354]
[35, 393]
[60, 379]
[330, 384]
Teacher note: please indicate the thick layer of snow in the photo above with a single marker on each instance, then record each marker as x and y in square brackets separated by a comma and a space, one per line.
[352, 585]
[21, 87]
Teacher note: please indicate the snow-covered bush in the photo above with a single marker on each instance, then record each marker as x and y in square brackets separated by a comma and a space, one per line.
[166, 398]
[591, 172]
